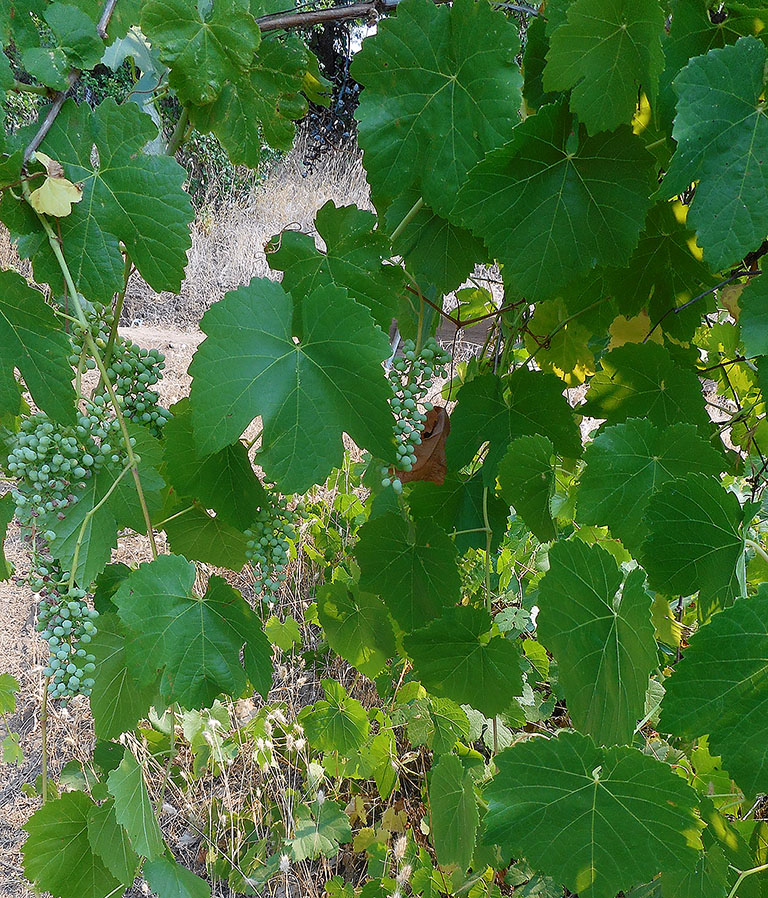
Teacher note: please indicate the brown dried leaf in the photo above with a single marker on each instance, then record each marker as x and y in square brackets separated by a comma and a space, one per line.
[430, 453]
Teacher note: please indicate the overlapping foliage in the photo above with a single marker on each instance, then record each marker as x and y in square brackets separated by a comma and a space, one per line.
[568, 627]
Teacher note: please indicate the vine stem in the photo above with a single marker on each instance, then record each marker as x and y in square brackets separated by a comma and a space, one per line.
[408, 218]
[758, 548]
[94, 350]
[488, 600]
[119, 302]
[743, 874]
[179, 133]
[44, 740]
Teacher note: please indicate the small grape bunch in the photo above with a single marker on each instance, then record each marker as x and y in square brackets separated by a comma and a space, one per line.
[52, 463]
[411, 378]
[68, 625]
[268, 545]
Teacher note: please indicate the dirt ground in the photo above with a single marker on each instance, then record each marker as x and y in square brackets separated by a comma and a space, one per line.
[22, 653]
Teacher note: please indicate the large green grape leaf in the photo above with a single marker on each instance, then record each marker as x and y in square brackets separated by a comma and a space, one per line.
[432, 104]
[436, 251]
[605, 52]
[457, 506]
[695, 542]
[527, 481]
[627, 462]
[7, 511]
[111, 843]
[616, 816]
[84, 540]
[453, 812]
[590, 196]
[262, 105]
[602, 637]
[640, 380]
[133, 809]
[500, 410]
[33, 340]
[203, 52]
[318, 833]
[753, 321]
[199, 536]
[721, 131]
[357, 626]
[118, 699]
[412, 566]
[169, 879]
[121, 184]
[720, 687]
[195, 641]
[456, 657]
[76, 43]
[307, 389]
[57, 854]
[353, 260]
[663, 273]
[224, 481]
[336, 724]
[709, 878]
[534, 61]
[694, 31]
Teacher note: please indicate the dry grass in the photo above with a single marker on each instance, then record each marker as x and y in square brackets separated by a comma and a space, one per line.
[228, 243]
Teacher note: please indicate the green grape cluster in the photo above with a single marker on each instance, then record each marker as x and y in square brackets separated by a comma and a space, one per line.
[68, 625]
[52, 463]
[268, 544]
[411, 377]
[133, 372]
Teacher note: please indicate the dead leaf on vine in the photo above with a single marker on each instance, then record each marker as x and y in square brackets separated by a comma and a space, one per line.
[430, 453]
[56, 194]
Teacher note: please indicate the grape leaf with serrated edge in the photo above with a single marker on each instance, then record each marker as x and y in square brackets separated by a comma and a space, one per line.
[753, 320]
[527, 481]
[307, 391]
[455, 657]
[663, 273]
[627, 462]
[721, 131]
[133, 809]
[119, 191]
[321, 833]
[353, 260]
[224, 481]
[118, 700]
[57, 854]
[602, 638]
[604, 52]
[454, 814]
[195, 641]
[591, 195]
[203, 53]
[500, 409]
[170, 880]
[694, 542]
[432, 105]
[720, 687]
[336, 724]
[262, 105]
[111, 843]
[640, 380]
[357, 626]
[412, 566]
[31, 339]
[617, 816]
[709, 878]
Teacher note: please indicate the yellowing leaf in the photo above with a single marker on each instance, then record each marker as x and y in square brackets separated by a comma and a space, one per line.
[560, 344]
[55, 197]
[633, 330]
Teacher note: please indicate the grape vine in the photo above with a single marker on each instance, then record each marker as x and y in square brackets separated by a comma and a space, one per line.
[489, 621]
